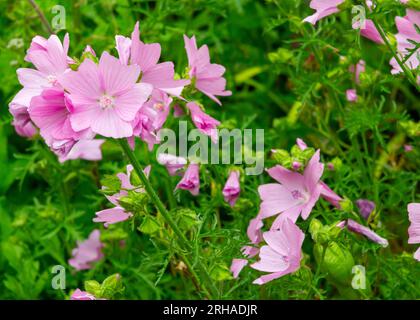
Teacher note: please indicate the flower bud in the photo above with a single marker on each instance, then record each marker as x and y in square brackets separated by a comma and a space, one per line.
[346, 205]
[111, 286]
[336, 261]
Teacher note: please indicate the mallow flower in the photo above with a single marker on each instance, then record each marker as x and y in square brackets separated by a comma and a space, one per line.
[232, 188]
[368, 30]
[207, 77]
[50, 59]
[150, 119]
[357, 69]
[118, 213]
[355, 227]
[105, 97]
[407, 31]
[172, 163]
[21, 120]
[351, 95]
[191, 180]
[82, 295]
[50, 111]
[282, 253]
[146, 56]
[203, 122]
[414, 229]
[295, 194]
[87, 252]
[323, 9]
[366, 207]
[255, 236]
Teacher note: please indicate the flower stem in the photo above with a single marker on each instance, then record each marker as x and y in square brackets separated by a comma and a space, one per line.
[41, 16]
[184, 244]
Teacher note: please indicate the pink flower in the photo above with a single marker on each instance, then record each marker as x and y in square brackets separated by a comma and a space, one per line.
[151, 117]
[294, 195]
[50, 111]
[203, 121]
[208, 77]
[414, 229]
[254, 230]
[329, 195]
[191, 179]
[237, 266]
[407, 31]
[51, 60]
[296, 165]
[366, 207]
[408, 148]
[232, 188]
[105, 97]
[178, 111]
[282, 254]
[351, 95]
[146, 56]
[301, 144]
[323, 9]
[368, 30]
[357, 70]
[172, 163]
[21, 120]
[360, 229]
[82, 295]
[112, 216]
[119, 214]
[87, 149]
[87, 252]
[255, 236]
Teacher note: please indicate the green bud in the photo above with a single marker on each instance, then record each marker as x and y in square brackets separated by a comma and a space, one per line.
[111, 183]
[135, 179]
[336, 261]
[411, 128]
[315, 226]
[111, 287]
[149, 225]
[93, 287]
[134, 202]
[20, 220]
[346, 205]
[114, 234]
[220, 272]
[293, 115]
[337, 163]
[187, 218]
[414, 4]
[281, 156]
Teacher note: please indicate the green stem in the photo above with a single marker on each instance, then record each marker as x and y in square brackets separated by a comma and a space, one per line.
[41, 16]
[184, 244]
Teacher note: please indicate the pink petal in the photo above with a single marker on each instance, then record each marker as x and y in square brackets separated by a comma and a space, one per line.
[237, 266]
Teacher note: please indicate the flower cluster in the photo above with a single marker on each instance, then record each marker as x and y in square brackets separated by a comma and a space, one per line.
[407, 36]
[72, 101]
[294, 195]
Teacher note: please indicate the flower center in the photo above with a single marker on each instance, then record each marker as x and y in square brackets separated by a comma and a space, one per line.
[158, 106]
[106, 102]
[52, 79]
[296, 194]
